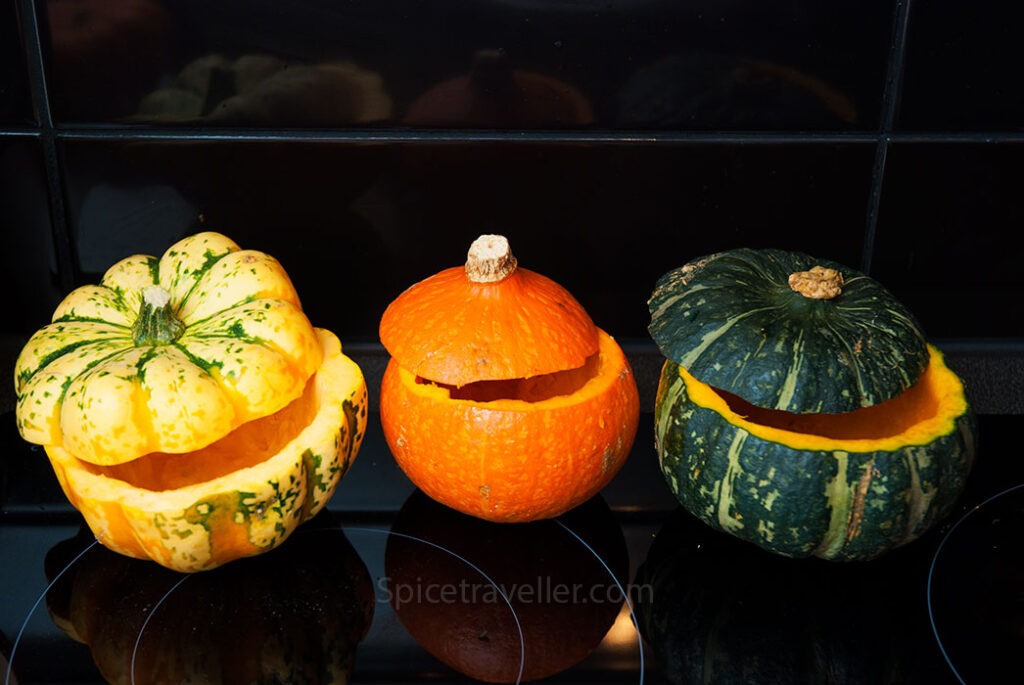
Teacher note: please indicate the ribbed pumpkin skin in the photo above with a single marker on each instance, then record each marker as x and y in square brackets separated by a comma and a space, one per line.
[502, 398]
[839, 505]
[246, 350]
[732, 321]
[249, 509]
[451, 330]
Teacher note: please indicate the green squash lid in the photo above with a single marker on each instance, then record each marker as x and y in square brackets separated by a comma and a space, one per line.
[787, 331]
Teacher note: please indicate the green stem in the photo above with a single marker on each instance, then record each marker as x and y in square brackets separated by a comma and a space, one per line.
[157, 324]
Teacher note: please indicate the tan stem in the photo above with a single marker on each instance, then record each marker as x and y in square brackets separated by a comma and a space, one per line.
[490, 259]
[819, 283]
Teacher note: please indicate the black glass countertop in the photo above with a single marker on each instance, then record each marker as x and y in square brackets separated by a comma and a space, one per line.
[386, 586]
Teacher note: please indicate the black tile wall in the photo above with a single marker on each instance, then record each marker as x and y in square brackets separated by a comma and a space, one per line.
[28, 266]
[15, 104]
[963, 67]
[367, 143]
[356, 224]
[614, 64]
[949, 235]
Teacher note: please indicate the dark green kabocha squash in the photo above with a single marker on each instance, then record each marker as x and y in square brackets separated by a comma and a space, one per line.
[801, 408]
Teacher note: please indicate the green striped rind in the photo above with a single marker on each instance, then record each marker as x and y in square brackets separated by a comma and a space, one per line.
[834, 505]
[733, 322]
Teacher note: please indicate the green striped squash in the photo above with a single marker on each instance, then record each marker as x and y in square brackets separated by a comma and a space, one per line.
[800, 407]
[732, 320]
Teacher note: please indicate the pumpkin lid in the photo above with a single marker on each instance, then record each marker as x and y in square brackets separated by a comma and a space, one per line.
[166, 354]
[488, 320]
[786, 331]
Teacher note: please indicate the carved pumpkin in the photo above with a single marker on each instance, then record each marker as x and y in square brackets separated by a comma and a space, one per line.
[190, 410]
[801, 408]
[502, 399]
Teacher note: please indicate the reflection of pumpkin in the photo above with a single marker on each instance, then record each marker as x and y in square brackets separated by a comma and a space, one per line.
[976, 589]
[259, 89]
[564, 599]
[707, 90]
[495, 94]
[189, 409]
[716, 610]
[502, 399]
[5, 661]
[293, 615]
[800, 407]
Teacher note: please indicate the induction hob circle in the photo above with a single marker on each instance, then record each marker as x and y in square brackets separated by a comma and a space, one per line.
[163, 593]
[975, 589]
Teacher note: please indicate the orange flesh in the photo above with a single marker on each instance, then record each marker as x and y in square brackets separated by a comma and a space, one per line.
[533, 389]
[248, 445]
[925, 411]
[518, 450]
[872, 423]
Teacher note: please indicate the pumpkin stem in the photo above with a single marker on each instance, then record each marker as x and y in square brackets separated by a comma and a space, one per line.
[819, 283]
[157, 324]
[490, 259]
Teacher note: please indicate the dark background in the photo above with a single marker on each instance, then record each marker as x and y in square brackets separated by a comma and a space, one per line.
[610, 141]
[883, 135]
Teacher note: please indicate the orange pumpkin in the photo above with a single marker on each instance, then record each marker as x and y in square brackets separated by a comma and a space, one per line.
[502, 399]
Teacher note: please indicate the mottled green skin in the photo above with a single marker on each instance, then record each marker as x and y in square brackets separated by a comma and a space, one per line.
[732, 321]
[834, 505]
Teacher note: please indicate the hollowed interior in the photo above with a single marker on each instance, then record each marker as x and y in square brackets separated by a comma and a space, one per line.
[883, 420]
[248, 445]
[534, 389]
[925, 411]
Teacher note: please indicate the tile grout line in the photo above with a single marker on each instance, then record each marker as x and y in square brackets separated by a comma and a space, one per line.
[59, 228]
[80, 133]
[890, 106]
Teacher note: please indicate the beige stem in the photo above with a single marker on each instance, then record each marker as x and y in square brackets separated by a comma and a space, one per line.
[490, 259]
[819, 283]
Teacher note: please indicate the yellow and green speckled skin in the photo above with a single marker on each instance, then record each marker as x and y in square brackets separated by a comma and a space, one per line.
[92, 383]
[838, 505]
[239, 514]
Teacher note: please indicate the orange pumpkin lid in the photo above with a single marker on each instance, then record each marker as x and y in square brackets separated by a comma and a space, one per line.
[488, 320]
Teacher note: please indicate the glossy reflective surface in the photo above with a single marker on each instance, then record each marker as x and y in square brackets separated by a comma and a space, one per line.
[976, 588]
[365, 144]
[620, 64]
[357, 224]
[15, 103]
[409, 591]
[30, 264]
[961, 60]
[942, 234]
